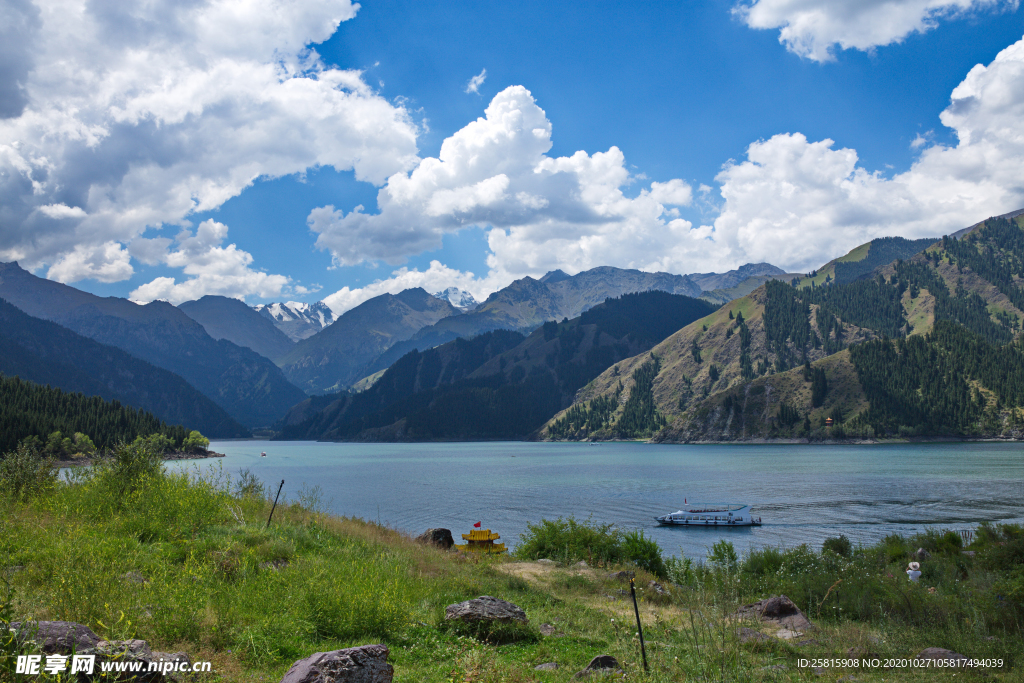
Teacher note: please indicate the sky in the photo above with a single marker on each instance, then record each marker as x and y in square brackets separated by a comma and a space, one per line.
[326, 150]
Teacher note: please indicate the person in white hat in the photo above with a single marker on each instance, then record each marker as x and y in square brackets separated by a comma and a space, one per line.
[914, 571]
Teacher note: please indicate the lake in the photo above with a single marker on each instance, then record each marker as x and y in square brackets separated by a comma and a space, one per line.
[803, 493]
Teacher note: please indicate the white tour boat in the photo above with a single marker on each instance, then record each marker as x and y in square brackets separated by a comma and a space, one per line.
[711, 514]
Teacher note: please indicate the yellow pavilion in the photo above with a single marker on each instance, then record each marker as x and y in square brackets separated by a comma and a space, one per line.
[481, 541]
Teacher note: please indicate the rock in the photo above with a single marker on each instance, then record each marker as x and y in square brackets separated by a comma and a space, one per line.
[922, 554]
[366, 664]
[787, 634]
[968, 553]
[582, 565]
[778, 610]
[134, 577]
[442, 538]
[599, 664]
[547, 666]
[748, 634]
[621, 576]
[940, 654]
[485, 608]
[545, 560]
[139, 651]
[57, 637]
[547, 630]
[657, 588]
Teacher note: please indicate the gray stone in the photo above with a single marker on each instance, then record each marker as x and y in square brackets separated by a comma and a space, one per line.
[621, 575]
[657, 588]
[598, 665]
[778, 610]
[582, 565]
[940, 654]
[442, 538]
[547, 666]
[366, 664]
[545, 560]
[57, 637]
[485, 608]
[547, 630]
[139, 651]
[748, 634]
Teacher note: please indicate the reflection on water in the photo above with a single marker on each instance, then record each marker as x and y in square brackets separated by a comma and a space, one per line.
[803, 493]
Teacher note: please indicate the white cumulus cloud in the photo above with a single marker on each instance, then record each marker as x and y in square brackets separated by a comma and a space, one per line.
[798, 203]
[213, 268]
[812, 28]
[118, 117]
[541, 212]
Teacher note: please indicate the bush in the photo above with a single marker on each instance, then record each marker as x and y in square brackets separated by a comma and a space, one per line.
[569, 540]
[132, 464]
[24, 473]
[840, 545]
[723, 555]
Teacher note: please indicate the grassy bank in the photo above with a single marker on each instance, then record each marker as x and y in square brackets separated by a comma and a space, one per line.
[184, 561]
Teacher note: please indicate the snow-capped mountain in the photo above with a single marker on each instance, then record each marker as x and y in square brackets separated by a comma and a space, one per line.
[297, 320]
[459, 298]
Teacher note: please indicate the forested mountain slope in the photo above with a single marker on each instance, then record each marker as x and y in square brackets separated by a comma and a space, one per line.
[925, 346]
[499, 384]
[28, 409]
[231, 319]
[245, 384]
[48, 354]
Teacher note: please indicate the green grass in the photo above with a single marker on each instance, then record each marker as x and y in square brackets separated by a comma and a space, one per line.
[185, 562]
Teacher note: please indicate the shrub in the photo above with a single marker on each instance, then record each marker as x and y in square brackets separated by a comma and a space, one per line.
[723, 555]
[24, 473]
[643, 552]
[840, 545]
[570, 540]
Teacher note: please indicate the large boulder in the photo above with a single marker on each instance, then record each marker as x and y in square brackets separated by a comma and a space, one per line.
[778, 610]
[485, 608]
[57, 637]
[366, 664]
[442, 538]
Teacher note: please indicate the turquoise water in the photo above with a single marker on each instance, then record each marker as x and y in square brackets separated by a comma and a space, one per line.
[803, 493]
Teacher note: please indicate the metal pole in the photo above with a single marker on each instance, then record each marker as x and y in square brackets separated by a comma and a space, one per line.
[275, 507]
[639, 628]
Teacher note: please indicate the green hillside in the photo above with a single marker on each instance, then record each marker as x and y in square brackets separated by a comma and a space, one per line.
[923, 347]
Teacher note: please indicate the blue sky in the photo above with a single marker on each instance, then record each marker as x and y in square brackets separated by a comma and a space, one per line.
[702, 98]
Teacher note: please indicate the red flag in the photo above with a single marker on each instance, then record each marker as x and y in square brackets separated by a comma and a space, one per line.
[477, 525]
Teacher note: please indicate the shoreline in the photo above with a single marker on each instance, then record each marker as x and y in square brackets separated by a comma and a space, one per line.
[177, 455]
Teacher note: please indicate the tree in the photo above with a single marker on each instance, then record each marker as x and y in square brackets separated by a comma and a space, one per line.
[819, 387]
[195, 442]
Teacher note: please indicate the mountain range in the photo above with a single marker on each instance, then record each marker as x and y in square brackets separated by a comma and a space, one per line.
[499, 384]
[897, 338]
[297, 320]
[248, 386]
[46, 353]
